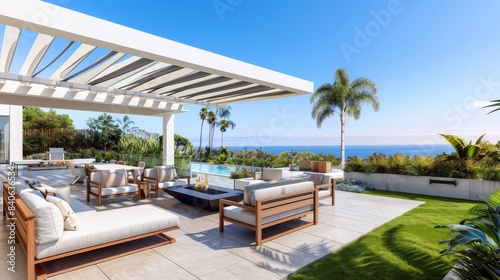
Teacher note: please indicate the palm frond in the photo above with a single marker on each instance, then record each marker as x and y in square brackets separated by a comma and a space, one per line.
[322, 115]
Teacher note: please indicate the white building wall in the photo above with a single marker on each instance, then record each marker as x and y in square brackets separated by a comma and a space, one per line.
[15, 130]
[16, 133]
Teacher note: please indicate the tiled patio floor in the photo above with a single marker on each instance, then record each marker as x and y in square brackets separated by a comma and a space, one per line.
[201, 252]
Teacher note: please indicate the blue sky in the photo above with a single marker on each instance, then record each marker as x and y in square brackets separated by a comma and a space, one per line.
[435, 63]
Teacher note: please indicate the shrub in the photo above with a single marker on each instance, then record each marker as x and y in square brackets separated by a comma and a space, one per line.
[109, 156]
[85, 153]
[442, 165]
[419, 165]
[397, 163]
[98, 157]
[240, 173]
[350, 185]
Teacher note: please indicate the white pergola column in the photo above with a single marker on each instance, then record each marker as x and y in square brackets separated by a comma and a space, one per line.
[168, 139]
[16, 133]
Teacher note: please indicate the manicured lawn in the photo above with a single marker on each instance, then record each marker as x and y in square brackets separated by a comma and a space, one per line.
[404, 248]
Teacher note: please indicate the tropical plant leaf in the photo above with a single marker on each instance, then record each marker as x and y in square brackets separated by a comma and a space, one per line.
[456, 142]
[465, 235]
[478, 141]
[471, 151]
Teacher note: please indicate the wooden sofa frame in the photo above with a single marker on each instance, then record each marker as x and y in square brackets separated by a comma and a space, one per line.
[330, 186]
[271, 206]
[24, 221]
[99, 194]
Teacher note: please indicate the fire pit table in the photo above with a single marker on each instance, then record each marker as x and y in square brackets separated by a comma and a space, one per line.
[206, 199]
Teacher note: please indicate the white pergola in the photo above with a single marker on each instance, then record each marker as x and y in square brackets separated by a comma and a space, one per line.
[58, 58]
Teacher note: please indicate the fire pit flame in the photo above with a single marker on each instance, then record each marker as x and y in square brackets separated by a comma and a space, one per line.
[199, 185]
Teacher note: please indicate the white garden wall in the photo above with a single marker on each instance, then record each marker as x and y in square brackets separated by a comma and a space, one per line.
[469, 189]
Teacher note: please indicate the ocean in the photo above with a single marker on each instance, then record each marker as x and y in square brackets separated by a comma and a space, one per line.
[358, 150]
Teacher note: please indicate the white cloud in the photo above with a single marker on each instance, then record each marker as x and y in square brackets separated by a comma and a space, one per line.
[479, 103]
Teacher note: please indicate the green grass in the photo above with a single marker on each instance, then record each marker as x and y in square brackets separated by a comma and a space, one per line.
[404, 248]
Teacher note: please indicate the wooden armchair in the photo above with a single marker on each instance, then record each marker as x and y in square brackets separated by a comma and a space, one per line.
[325, 185]
[160, 177]
[109, 184]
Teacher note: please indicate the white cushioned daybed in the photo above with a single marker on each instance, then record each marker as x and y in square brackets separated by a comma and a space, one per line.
[47, 234]
[268, 204]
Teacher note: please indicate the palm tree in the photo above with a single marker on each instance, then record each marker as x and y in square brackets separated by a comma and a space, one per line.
[225, 113]
[125, 124]
[211, 118]
[224, 124]
[203, 116]
[213, 122]
[344, 98]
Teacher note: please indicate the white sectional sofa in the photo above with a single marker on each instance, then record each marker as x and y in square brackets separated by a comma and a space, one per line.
[41, 227]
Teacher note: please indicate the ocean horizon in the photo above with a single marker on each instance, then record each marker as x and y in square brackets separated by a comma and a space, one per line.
[356, 150]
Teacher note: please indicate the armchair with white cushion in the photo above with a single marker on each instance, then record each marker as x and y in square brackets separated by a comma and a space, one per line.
[109, 184]
[78, 172]
[160, 177]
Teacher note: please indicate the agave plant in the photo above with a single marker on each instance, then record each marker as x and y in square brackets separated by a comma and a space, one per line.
[477, 241]
[464, 151]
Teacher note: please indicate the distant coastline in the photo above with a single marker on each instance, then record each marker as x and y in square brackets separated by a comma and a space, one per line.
[357, 150]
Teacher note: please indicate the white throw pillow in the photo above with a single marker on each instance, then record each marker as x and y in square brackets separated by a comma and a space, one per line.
[114, 178]
[64, 192]
[165, 173]
[71, 221]
[49, 224]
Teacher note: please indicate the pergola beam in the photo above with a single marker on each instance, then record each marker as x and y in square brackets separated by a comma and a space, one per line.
[71, 25]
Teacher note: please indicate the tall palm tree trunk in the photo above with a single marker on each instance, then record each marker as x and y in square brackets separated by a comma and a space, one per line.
[222, 139]
[212, 129]
[342, 141]
[201, 136]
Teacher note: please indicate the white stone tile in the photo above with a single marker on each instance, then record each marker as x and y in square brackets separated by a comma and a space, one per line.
[345, 223]
[275, 257]
[341, 235]
[198, 258]
[143, 265]
[89, 272]
[243, 270]
[308, 243]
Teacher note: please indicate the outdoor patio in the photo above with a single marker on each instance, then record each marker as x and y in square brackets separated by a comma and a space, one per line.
[201, 252]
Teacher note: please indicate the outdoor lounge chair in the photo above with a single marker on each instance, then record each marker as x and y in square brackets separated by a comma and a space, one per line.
[78, 172]
[160, 177]
[109, 184]
[135, 175]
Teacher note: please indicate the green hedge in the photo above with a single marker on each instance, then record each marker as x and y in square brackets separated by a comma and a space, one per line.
[487, 168]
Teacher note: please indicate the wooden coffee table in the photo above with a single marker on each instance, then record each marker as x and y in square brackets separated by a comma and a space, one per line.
[208, 199]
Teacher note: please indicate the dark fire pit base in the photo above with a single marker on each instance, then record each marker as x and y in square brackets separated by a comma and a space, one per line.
[206, 199]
